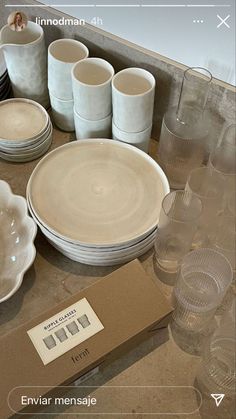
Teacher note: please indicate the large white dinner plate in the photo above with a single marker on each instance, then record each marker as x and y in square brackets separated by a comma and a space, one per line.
[100, 261]
[21, 119]
[99, 253]
[98, 192]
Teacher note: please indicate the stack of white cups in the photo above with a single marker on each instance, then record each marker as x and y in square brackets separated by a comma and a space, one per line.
[62, 55]
[91, 84]
[133, 91]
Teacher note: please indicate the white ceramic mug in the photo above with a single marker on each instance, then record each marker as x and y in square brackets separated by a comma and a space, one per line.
[91, 82]
[85, 128]
[62, 112]
[62, 55]
[26, 61]
[133, 91]
[140, 139]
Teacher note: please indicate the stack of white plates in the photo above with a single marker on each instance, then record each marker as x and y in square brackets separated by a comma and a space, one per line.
[97, 201]
[25, 130]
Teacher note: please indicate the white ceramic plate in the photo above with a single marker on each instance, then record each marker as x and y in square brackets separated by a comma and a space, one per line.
[15, 115]
[17, 234]
[27, 149]
[26, 144]
[98, 192]
[99, 253]
[102, 262]
[28, 156]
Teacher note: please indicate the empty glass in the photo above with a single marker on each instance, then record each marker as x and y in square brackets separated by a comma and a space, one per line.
[204, 278]
[223, 161]
[229, 136]
[217, 372]
[184, 130]
[208, 185]
[177, 225]
[224, 239]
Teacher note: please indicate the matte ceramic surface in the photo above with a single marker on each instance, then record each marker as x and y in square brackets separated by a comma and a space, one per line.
[91, 83]
[15, 115]
[133, 91]
[25, 57]
[100, 252]
[107, 192]
[28, 156]
[63, 113]
[99, 261]
[96, 256]
[62, 55]
[3, 66]
[138, 139]
[85, 128]
[17, 234]
[15, 146]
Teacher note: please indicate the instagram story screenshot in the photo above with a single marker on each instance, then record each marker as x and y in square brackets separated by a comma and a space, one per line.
[117, 209]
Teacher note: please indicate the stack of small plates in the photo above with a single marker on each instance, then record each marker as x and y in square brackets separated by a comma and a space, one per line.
[25, 130]
[5, 84]
[97, 201]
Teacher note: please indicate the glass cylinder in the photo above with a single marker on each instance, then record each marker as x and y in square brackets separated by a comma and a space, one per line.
[184, 130]
[223, 161]
[204, 278]
[177, 225]
[224, 239]
[208, 186]
[217, 372]
[229, 136]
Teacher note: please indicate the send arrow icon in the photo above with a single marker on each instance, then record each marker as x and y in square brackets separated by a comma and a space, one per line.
[218, 398]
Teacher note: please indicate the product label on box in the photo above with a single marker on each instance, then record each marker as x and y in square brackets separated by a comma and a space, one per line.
[65, 330]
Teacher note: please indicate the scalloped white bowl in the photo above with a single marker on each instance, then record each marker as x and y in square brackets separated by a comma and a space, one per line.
[17, 234]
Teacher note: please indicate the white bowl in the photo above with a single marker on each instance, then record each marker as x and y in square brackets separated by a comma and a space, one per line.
[138, 139]
[86, 128]
[17, 234]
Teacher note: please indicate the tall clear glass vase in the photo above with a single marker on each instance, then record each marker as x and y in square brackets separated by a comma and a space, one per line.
[184, 130]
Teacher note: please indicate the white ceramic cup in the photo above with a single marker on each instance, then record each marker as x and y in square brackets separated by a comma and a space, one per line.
[140, 139]
[62, 55]
[91, 83]
[85, 128]
[133, 91]
[62, 112]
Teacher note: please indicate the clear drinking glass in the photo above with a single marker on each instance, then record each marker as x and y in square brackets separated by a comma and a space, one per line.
[208, 186]
[229, 136]
[217, 372]
[224, 239]
[184, 130]
[204, 278]
[177, 225]
[223, 161]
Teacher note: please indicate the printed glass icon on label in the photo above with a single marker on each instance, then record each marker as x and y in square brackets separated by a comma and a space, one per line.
[84, 321]
[49, 342]
[61, 334]
[72, 328]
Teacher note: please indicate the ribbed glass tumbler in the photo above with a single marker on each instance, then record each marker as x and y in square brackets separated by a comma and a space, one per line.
[204, 278]
[217, 372]
[177, 225]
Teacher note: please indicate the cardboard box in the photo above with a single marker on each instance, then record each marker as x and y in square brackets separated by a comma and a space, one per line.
[88, 329]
